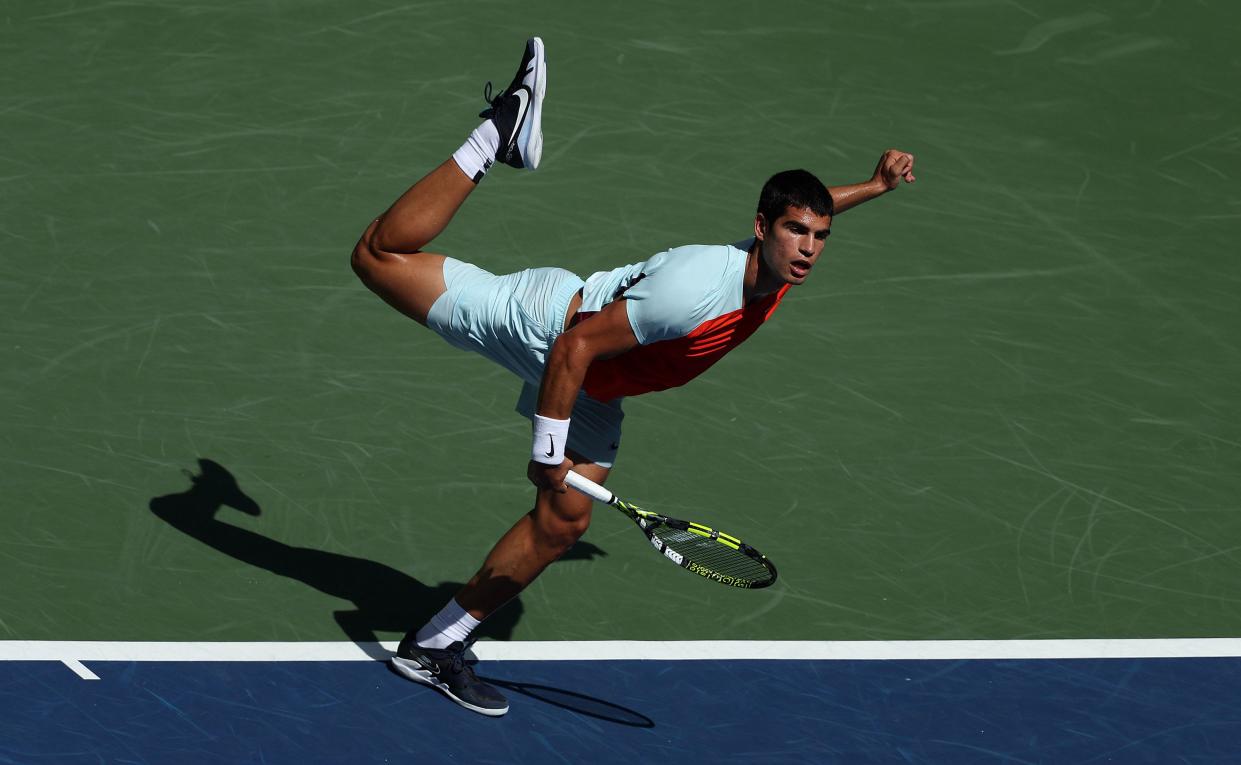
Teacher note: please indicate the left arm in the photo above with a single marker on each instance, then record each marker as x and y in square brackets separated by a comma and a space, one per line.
[894, 166]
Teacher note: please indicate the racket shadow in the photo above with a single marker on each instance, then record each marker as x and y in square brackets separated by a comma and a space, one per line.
[383, 598]
[578, 703]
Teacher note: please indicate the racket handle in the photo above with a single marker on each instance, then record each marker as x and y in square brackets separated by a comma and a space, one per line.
[589, 488]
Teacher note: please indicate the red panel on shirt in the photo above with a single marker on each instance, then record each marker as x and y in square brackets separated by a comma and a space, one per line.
[671, 363]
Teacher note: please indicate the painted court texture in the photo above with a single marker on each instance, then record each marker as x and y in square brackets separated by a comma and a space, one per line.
[1005, 407]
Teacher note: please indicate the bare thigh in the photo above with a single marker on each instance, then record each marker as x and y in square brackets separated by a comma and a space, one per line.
[409, 282]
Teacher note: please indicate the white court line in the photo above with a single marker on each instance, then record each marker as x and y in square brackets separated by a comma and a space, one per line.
[614, 650]
[79, 669]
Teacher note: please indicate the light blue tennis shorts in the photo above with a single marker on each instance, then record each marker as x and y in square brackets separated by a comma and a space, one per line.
[513, 320]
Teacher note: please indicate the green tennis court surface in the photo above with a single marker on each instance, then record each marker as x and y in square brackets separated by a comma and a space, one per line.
[1006, 407]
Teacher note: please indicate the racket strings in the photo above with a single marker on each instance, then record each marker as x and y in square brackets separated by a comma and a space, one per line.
[713, 554]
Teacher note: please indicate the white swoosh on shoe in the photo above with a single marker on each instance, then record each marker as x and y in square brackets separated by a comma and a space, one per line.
[524, 96]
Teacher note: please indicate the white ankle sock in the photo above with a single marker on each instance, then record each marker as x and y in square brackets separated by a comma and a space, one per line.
[478, 153]
[451, 624]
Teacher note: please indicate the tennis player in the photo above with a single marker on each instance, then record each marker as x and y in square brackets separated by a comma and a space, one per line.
[579, 346]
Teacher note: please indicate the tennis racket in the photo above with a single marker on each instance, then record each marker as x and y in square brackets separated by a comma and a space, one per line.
[709, 553]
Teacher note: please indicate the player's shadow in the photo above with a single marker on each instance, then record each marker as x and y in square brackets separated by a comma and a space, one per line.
[384, 599]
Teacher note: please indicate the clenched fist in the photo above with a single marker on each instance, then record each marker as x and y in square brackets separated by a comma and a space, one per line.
[893, 166]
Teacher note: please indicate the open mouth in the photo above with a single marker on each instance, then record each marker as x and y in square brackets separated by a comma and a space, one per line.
[800, 268]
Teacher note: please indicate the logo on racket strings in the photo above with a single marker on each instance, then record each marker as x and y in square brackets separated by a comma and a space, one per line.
[732, 581]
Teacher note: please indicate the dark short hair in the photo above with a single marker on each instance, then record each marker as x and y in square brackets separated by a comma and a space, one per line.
[793, 188]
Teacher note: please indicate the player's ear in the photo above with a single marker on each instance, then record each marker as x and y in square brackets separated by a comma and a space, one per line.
[760, 225]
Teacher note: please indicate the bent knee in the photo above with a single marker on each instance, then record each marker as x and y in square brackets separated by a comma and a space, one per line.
[369, 264]
[369, 257]
[410, 283]
[363, 254]
[561, 521]
[568, 532]
[362, 260]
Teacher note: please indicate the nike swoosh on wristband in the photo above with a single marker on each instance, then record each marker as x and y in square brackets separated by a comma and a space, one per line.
[551, 443]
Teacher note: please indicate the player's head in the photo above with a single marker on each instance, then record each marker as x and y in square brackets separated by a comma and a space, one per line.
[792, 224]
[793, 188]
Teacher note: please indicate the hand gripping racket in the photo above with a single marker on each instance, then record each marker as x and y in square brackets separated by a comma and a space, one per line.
[704, 551]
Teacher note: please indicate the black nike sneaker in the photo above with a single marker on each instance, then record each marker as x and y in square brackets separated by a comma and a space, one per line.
[446, 670]
[518, 111]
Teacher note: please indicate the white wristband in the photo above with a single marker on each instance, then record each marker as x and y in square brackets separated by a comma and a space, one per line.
[550, 436]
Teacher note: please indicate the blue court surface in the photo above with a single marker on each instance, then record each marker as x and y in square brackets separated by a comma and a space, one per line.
[968, 711]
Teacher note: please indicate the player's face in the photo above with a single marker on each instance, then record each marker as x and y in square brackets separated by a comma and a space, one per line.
[793, 242]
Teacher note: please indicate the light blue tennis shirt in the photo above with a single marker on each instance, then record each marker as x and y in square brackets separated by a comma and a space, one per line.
[687, 309]
[675, 291]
